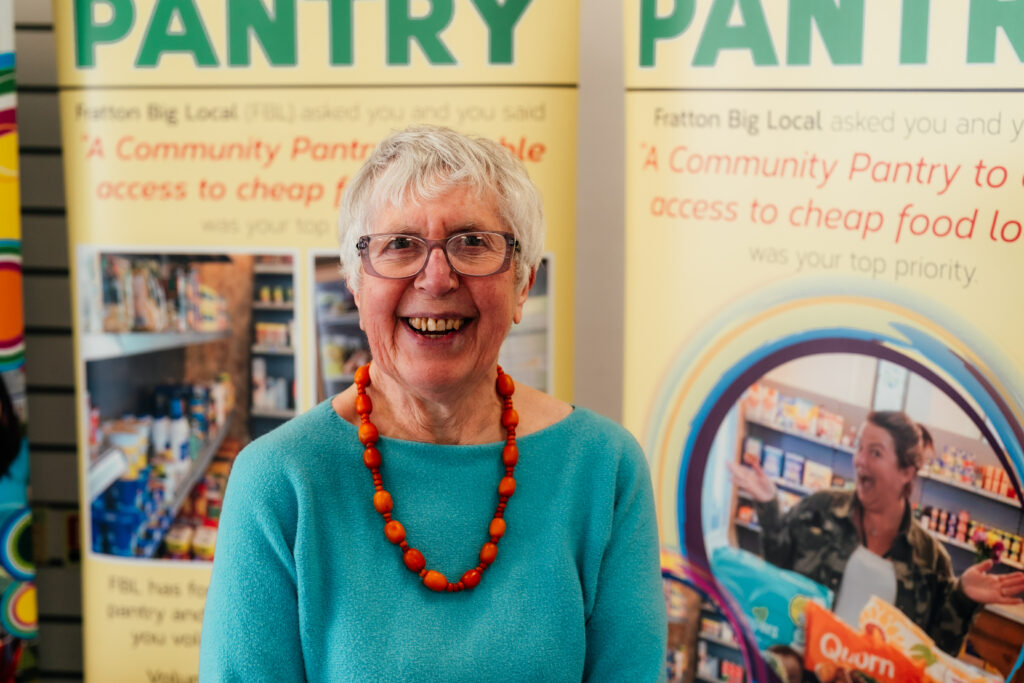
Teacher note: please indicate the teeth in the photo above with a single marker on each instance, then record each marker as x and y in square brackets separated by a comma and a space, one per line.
[435, 324]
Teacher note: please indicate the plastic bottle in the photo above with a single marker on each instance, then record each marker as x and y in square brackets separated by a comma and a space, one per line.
[180, 430]
[160, 442]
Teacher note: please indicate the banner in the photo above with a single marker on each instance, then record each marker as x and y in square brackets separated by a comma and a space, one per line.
[824, 219]
[18, 607]
[206, 147]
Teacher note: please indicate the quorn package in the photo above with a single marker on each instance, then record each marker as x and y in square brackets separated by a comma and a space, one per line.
[837, 653]
[881, 620]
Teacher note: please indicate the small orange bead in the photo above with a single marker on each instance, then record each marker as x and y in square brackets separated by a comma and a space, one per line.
[414, 560]
[364, 406]
[435, 581]
[394, 531]
[488, 552]
[471, 578]
[504, 385]
[368, 433]
[371, 457]
[497, 527]
[509, 418]
[510, 455]
[382, 502]
[507, 487]
[362, 376]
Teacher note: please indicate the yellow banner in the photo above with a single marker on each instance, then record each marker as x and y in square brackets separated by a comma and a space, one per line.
[206, 151]
[824, 218]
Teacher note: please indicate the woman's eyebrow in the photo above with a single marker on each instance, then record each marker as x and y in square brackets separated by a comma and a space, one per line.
[468, 226]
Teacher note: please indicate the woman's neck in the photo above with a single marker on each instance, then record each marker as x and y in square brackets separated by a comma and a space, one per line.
[881, 525]
[463, 416]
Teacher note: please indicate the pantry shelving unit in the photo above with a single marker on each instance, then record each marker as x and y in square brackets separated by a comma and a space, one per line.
[340, 344]
[124, 369]
[990, 508]
[272, 395]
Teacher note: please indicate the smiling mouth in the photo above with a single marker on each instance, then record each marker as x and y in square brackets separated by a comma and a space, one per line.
[865, 480]
[435, 327]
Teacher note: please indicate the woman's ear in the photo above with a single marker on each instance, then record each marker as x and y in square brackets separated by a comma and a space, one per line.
[355, 299]
[523, 294]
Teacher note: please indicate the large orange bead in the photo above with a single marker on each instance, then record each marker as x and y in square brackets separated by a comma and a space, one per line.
[414, 560]
[507, 486]
[435, 581]
[497, 527]
[509, 418]
[364, 406]
[383, 503]
[371, 457]
[394, 531]
[510, 455]
[368, 434]
[471, 578]
[362, 376]
[488, 552]
[504, 385]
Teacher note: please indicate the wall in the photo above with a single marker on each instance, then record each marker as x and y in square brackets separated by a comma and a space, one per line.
[54, 482]
[48, 361]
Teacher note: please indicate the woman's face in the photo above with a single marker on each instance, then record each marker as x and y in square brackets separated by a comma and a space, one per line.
[485, 307]
[880, 479]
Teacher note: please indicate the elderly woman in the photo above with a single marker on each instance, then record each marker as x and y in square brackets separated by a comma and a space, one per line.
[865, 541]
[361, 540]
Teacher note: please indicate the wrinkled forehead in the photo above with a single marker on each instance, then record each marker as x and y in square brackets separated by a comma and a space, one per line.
[388, 194]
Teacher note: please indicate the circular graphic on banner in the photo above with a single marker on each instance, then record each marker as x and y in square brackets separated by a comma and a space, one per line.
[20, 614]
[704, 398]
[12, 333]
[16, 548]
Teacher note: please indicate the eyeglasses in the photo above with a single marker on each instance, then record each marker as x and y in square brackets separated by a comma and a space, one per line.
[398, 256]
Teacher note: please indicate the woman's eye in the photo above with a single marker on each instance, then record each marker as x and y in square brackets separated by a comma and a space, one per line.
[399, 243]
[472, 241]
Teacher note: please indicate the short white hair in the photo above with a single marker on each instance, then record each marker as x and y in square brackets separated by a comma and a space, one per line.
[422, 163]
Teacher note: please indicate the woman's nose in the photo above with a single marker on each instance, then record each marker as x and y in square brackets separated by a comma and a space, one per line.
[858, 458]
[437, 277]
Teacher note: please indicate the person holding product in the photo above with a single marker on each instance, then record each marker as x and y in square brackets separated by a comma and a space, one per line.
[437, 521]
[865, 542]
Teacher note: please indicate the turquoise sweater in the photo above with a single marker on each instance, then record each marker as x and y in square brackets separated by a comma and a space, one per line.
[306, 586]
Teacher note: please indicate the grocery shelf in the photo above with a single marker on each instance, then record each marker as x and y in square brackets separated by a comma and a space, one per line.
[273, 268]
[199, 467]
[968, 547]
[1006, 500]
[272, 305]
[801, 435]
[717, 641]
[105, 471]
[100, 346]
[790, 486]
[273, 350]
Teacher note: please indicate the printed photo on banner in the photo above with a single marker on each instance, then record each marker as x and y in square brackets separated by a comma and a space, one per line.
[860, 516]
[188, 356]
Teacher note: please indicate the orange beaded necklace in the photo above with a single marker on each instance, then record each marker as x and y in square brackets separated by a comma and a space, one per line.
[382, 502]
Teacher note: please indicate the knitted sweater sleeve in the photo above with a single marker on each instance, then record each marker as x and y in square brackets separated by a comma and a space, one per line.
[250, 623]
[626, 628]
